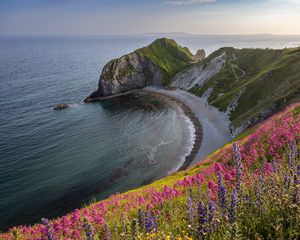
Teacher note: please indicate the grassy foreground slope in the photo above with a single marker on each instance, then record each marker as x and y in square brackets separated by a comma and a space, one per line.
[246, 190]
[253, 83]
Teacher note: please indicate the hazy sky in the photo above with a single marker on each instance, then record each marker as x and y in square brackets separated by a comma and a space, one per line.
[144, 16]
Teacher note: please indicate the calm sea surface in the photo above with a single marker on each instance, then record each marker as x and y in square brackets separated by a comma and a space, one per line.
[52, 162]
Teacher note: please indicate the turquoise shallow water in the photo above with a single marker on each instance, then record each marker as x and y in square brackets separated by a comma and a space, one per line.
[54, 161]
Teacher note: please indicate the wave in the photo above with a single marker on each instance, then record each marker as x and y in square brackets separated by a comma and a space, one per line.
[188, 140]
[153, 149]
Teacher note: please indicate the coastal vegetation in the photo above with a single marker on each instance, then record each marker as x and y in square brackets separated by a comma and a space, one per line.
[249, 189]
[170, 57]
[253, 83]
[155, 64]
[249, 85]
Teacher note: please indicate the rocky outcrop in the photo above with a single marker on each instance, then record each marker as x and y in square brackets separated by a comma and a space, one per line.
[200, 55]
[247, 84]
[61, 106]
[153, 65]
[129, 72]
[234, 102]
[199, 74]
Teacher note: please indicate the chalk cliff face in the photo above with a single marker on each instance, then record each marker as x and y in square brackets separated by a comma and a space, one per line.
[129, 72]
[247, 84]
[155, 65]
[199, 73]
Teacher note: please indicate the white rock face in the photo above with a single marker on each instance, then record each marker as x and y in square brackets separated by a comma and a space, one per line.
[126, 73]
[207, 93]
[234, 102]
[199, 74]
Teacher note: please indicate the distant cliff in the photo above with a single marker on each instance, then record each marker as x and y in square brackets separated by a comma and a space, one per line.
[248, 84]
[155, 65]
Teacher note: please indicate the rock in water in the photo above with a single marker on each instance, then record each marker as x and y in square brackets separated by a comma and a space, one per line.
[61, 106]
[153, 65]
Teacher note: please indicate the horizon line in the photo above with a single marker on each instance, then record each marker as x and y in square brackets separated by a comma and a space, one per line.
[146, 33]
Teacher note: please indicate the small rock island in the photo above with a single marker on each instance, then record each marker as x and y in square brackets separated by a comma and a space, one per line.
[61, 106]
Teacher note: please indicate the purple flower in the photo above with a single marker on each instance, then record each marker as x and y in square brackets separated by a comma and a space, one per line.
[246, 199]
[202, 212]
[259, 190]
[211, 212]
[89, 230]
[49, 232]
[238, 166]
[141, 219]
[295, 193]
[220, 182]
[294, 151]
[257, 200]
[286, 181]
[221, 192]
[232, 206]
[274, 166]
[298, 171]
[292, 154]
[150, 222]
[107, 233]
[290, 160]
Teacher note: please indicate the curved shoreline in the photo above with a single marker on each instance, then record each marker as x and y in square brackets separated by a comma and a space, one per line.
[211, 125]
[187, 111]
[214, 124]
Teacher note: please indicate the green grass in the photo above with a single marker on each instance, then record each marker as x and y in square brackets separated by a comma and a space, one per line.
[296, 111]
[271, 82]
[165, 54]
[168, 56]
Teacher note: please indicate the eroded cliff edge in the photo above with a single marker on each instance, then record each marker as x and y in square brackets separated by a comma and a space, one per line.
[248, 85]
[154, 65]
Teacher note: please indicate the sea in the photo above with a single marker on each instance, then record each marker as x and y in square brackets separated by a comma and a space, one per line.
[52, 162]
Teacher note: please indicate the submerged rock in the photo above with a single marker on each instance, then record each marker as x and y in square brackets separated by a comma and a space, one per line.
[147, 107]
[61, 106]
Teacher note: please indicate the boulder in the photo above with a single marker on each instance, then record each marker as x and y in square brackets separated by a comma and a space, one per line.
[60, 106]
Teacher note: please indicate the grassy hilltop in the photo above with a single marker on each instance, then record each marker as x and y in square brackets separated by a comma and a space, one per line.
[165, 54]
[153, 65]
[170, 57]
[260, 81]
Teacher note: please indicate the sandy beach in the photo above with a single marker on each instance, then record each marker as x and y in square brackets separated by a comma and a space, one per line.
[212, 126]
[192, 138]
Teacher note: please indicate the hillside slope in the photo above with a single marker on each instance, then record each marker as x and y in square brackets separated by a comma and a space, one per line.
[248, 84]
[248, 190]
[155, 65]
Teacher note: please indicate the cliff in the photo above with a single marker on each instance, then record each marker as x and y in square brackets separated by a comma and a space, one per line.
[155, 65]
[248, 84]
